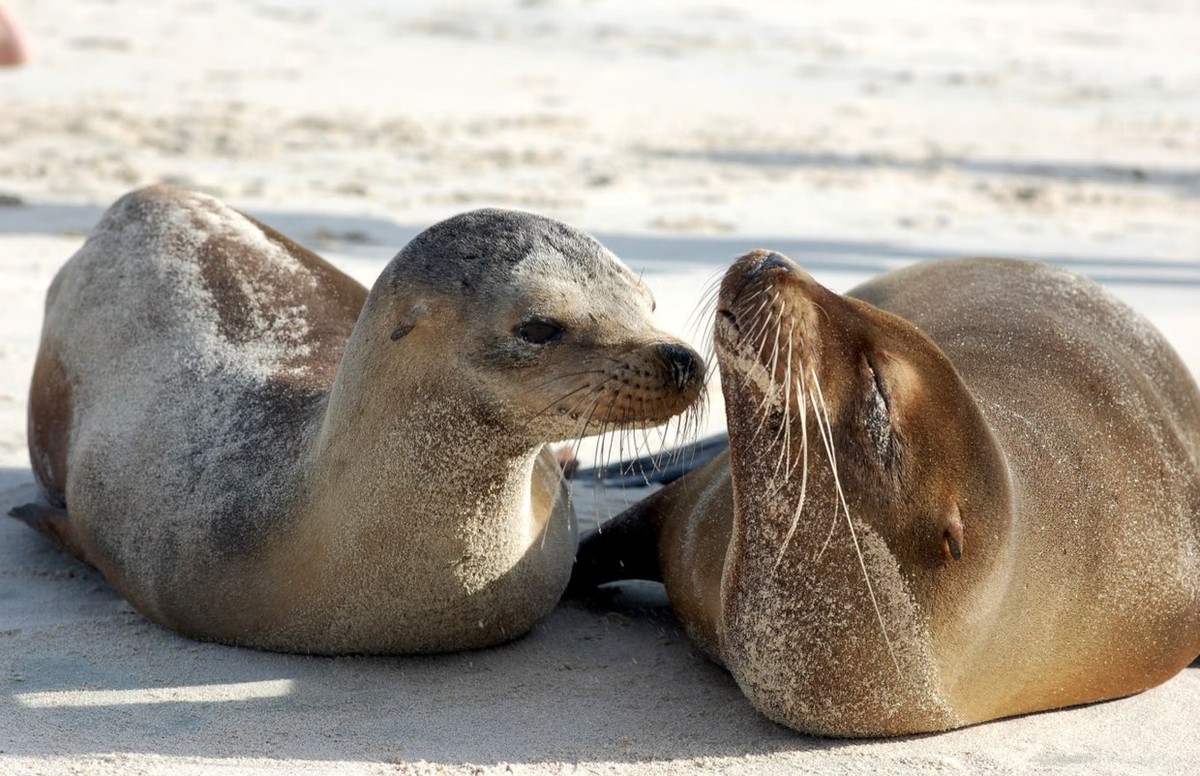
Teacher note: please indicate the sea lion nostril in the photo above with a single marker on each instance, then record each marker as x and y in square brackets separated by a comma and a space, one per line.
[775, 261]
[682, 362]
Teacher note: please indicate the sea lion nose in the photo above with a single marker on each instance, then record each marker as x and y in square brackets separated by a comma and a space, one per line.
[682, 362]
[775, 261]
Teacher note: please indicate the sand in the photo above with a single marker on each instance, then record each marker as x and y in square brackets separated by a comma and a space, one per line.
[855, 136]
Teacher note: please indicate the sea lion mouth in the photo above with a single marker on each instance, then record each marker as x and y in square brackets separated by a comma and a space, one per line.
[626, 388]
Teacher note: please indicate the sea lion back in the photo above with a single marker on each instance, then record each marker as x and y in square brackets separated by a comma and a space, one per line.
[179, 324]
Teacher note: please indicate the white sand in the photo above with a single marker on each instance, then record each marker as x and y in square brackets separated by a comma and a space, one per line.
[853, 135]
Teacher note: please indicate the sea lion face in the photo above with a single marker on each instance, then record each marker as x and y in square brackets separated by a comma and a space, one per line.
[863, 396]
[553, 332]
[865, 485]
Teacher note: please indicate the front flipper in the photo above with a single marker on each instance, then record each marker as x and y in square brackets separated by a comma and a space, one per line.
[631, 545]
[625, 547]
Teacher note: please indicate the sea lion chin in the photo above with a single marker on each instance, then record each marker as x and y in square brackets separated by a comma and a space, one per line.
[253, 449]
[964, 490]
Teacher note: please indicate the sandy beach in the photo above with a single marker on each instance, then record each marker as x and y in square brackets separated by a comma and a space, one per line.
[855, 136]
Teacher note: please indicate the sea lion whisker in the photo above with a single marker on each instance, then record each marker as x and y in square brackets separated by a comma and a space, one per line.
[703, 310]
[629, 440]
[833, 523]
[770, 394]
[753, 347]
[837, 483]
[802, 407]
[682, 447]
[559, 401]
[764, 321]
[784, 434]
[585, 421]
[605, 448]
[568, 376]
[585, 418]
[801, 399]
[648, 445]
[664, 454]
[687, 433]
[598, 392]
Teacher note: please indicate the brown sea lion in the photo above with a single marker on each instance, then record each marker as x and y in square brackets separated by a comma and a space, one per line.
[254, 450]
[965, 490]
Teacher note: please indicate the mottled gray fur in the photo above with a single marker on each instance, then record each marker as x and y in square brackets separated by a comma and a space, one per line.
[254, 450]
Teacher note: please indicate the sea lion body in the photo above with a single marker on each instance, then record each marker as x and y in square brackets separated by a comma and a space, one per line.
[1009, 522]
[254, 450]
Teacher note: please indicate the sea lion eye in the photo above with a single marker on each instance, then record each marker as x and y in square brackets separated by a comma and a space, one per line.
[879, 422]
[539, 331]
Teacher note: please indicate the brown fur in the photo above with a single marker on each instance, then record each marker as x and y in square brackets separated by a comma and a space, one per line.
[1025, 537]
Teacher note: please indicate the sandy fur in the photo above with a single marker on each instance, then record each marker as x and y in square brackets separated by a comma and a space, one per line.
[239, 478]
[1100, 424]
[1039, 414]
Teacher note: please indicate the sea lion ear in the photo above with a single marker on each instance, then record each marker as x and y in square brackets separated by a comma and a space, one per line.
[416, 313]
[952, 533]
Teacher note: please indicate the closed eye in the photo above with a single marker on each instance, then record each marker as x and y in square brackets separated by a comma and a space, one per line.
[539, 331]
[879, 420]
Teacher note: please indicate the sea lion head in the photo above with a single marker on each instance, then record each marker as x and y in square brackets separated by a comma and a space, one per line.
[545, 327]
[868, 495]
[802, 365]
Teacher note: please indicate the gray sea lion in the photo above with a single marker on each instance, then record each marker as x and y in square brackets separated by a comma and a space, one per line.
[965, 490]
[254, 450]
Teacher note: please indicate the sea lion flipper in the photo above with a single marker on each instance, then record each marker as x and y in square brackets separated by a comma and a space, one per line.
[625, 547]
[52, 522]
[38, 515]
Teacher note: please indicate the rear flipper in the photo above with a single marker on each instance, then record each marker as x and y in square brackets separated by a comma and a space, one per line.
[52, 522]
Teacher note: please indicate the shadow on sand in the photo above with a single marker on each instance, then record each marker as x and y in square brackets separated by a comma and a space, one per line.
[75, 657]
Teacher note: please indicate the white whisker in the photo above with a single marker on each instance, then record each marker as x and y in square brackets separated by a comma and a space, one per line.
[827, 436]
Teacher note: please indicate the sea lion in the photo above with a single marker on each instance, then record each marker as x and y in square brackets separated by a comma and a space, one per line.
[254, 450]
[965, 490]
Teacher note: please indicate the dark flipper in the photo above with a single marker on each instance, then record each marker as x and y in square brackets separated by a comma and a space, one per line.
[52, 522]
[625, 547]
